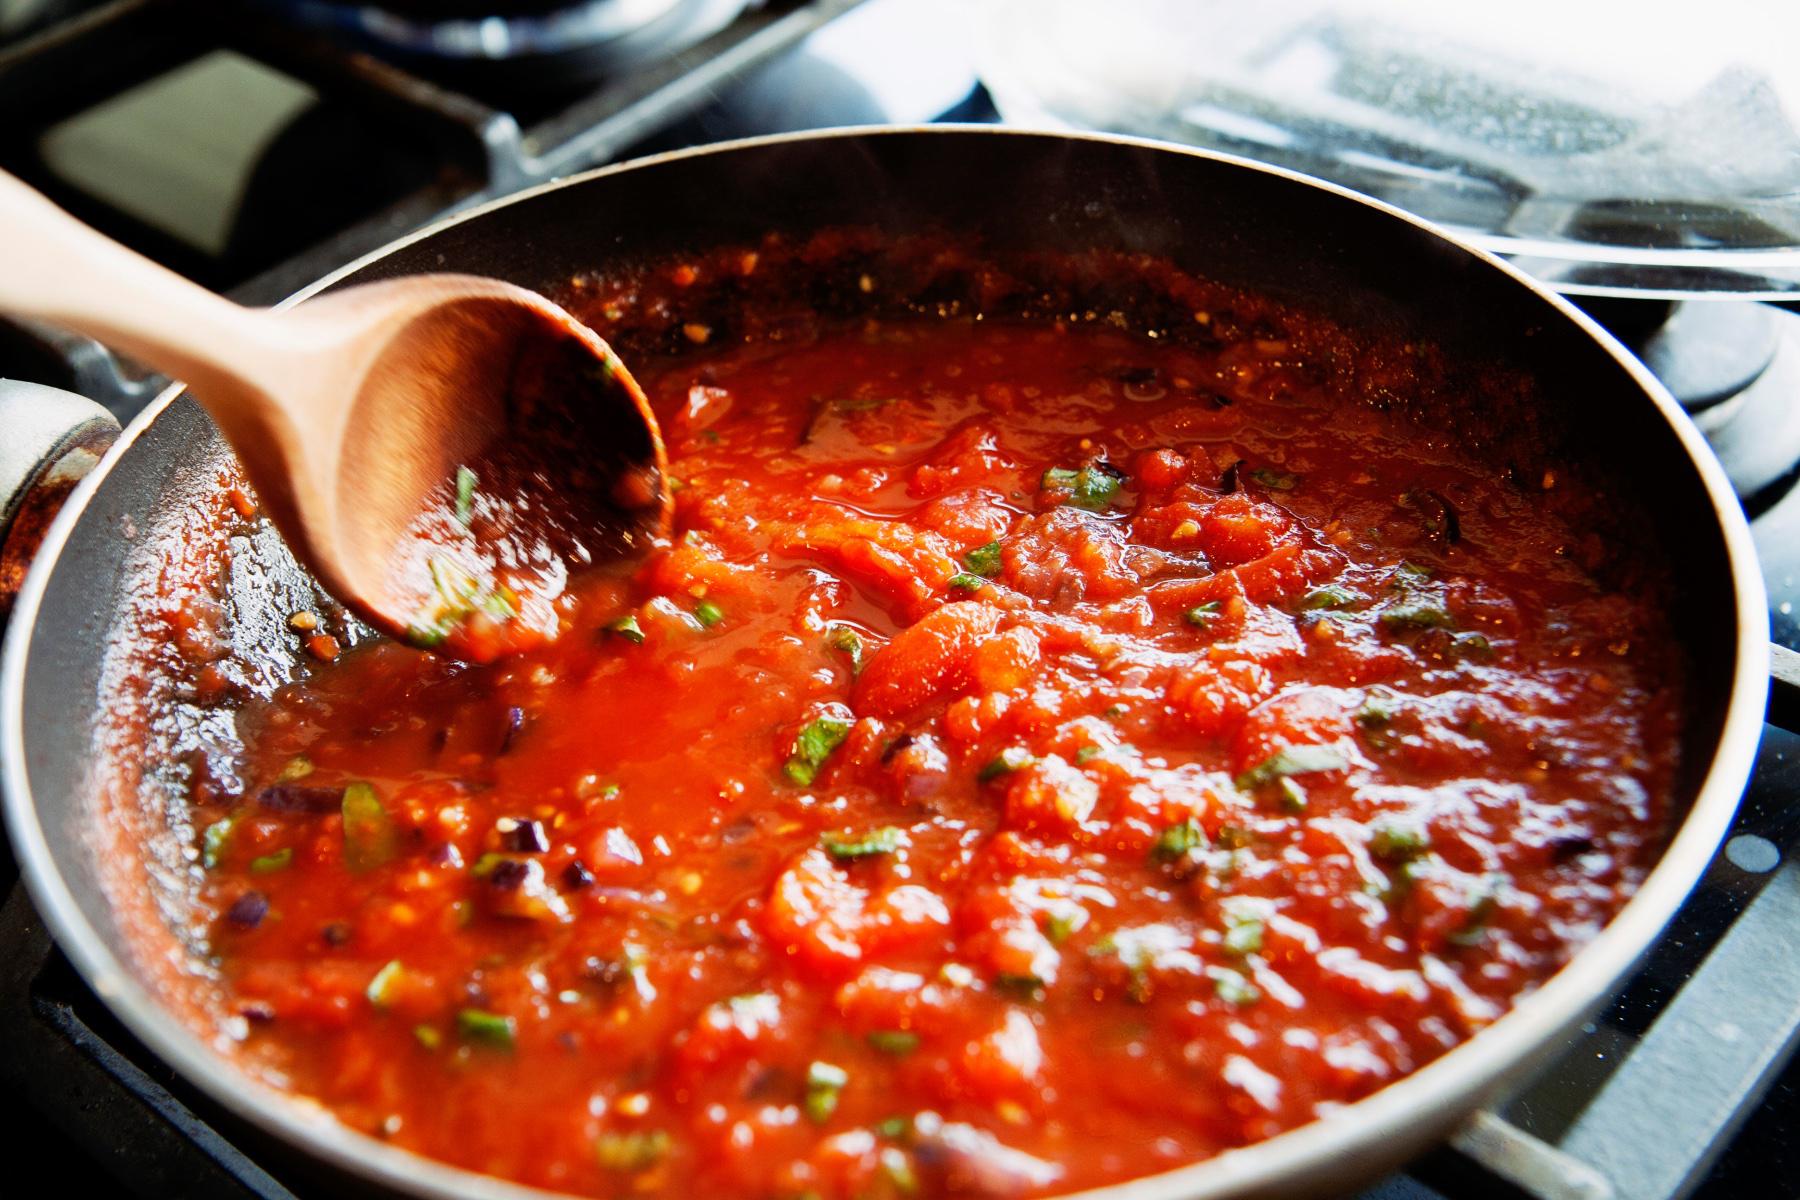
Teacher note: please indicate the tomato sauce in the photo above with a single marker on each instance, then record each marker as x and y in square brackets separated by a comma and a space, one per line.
[1043, 755]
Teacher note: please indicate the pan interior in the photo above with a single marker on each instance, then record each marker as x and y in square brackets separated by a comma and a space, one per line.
[165, 600]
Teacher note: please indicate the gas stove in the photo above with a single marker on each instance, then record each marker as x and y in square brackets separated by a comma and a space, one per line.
[336, 141]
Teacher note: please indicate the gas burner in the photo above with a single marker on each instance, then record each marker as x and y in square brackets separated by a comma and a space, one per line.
[1735, 367]
[526, 45]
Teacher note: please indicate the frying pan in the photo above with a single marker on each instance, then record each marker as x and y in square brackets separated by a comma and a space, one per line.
[95, 730]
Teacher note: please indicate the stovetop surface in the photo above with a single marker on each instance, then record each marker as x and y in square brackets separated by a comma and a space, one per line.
[77, 1091]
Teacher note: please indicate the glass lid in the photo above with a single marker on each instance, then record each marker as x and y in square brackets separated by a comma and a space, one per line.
[1646, 149]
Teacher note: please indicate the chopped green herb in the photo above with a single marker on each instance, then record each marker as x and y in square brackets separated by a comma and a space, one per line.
[1026, 987]
[824, 1084]
[962, 581]
[428, 1037]
[214, 840]
[849, 642]
[459, 596]
[983, 560]
[381, 988]
[1397, 841]
[1235, 837]
[1329, 596]
[1013, 758]
[1244, 937]
[1292, 795]
[1278, 481]
[708, 613]
[1059, 925]
[1416, 615]
[490, 1029]
[628, 628]
[1472, 645]
[1233, 988]
[465, 496]
[894, 1041]
[268, 864]
[1376, 711]
[1483, 898]
[894, 1127]
[631, 1151]
[1178, 841]
[1293, 760]
[298, 767]
[898, 1168]
[1088, 754]
[1201, 616]
[1092, 487]
[370, 835]
[814, 746]
[873, 844]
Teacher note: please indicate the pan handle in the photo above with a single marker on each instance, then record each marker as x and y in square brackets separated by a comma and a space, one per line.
[53, 438]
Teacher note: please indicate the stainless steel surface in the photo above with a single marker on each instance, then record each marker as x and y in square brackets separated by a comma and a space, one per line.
[1106, 189]
[1735, 1025]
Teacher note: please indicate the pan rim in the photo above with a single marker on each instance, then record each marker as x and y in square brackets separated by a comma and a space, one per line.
[1458, 1079]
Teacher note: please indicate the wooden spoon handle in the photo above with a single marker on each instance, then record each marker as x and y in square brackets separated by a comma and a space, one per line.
[54, 268]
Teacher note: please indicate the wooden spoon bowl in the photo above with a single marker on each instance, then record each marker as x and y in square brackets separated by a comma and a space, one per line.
[440, 450]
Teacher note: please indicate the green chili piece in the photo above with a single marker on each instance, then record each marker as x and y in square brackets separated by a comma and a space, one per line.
[1178, 841]
[1244, 937]
[897, 1166]
[708, 613]
[628, 628]
[1201, 616]
[1013, 758]
[847, 640]
[214, 840]
[632, 1151]
[465, 496]
[1234, 989]
[381, 988]
[268, 864]
[1397, 840]
[370, 836]
[894, 1041]
[873, 844]
[490, 1029]
[1329, 596]
[1279, 481]
[1293, 760]
[298, 767]
[824, 1085]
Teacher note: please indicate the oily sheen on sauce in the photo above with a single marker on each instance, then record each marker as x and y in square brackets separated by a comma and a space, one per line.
[1043, 756]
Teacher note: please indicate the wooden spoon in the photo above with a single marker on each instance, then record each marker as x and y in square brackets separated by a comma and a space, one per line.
[440, 450]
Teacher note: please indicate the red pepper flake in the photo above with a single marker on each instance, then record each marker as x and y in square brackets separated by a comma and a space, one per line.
[240, 500]
[322, 646]
[684, 275]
